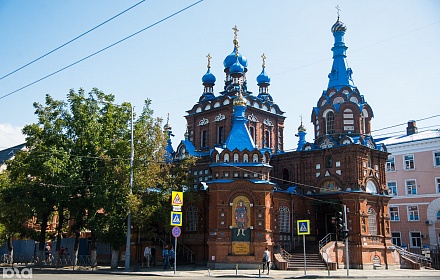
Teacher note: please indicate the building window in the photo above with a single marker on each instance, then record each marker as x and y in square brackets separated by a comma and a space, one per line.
[220, 135]
[416, 239]
[396, 238]
[438, 216]
[191, 218]
[245, 158]
[217, 158]
[280, 139]
[252, 132]
[204, 138]
[394, 213]
[328, 162]
[392, 187]
[413, 213]
[330, 122]
[267, 138]
[436, 158]
[226, 158]
[255, 158]
[408, 163]
[437, 184]
[411, 187]
[284, 219]
[235, 157]
[391, 166]
[372, 221]
[285, 175]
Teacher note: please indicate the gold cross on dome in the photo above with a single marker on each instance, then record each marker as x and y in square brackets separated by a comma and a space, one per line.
[209, 60]
[264, 60]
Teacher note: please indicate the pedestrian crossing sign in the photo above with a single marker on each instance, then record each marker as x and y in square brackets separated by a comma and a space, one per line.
[303, 227]
[177, 198]
[176, 218]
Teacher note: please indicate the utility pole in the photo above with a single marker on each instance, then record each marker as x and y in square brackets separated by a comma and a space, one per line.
[128, 243]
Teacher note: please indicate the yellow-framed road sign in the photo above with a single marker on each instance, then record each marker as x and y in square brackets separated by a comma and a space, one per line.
[177, 198]
[176, 218]
[303, 227]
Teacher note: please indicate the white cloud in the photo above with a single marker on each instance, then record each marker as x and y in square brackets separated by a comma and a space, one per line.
[10, 136]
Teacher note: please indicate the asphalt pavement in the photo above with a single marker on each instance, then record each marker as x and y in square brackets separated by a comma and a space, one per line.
[201, 271]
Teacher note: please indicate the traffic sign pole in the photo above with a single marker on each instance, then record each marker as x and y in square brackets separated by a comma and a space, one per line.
[304, 247]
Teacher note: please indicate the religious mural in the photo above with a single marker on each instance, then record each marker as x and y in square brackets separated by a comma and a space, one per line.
[241, 233]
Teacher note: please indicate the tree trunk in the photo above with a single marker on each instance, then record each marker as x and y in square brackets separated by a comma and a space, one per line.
[115, 259]
[10, 250]
[58, 257]
[93, 260]
[75, 249]
[42, 238]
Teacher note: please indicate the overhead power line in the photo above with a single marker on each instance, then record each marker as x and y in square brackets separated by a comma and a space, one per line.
[396, 125]
[65, 44]
[101, 50]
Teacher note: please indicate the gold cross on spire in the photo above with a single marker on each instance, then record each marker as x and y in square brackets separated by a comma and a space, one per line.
[209, 60]
[337, 8]
[264, 60]
[301, 118]
[235, 32]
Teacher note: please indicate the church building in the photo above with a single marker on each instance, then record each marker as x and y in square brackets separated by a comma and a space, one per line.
[252, 192]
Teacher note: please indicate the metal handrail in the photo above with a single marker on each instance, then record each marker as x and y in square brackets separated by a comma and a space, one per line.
[181, 249]
[413, 256]
[325, 240]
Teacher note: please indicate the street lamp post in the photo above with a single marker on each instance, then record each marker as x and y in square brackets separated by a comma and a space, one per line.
[128, 243]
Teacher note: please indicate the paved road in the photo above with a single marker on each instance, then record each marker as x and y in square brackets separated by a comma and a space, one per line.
[195, 273]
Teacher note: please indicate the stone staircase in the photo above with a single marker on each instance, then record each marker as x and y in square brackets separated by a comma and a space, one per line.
[295, 259]
[313, 261]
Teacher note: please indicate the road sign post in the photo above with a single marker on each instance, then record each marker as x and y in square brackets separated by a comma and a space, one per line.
[176, 220]
[303, 227]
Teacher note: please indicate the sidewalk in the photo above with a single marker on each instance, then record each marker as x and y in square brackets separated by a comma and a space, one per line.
[200, 271]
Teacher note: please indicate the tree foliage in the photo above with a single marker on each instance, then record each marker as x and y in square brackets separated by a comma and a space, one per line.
[77, 165]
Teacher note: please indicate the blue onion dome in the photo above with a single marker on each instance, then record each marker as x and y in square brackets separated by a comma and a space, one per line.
[339, 26]
[240, 100]
[230, 59]
[263, 78]
[236, 68]
[208, 78]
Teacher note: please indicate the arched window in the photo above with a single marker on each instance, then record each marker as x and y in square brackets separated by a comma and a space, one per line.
[255, 158]
[438, 215]
[191, 218]
[235, 157]
[330, 122]
[217, 158]
[226, 158]
[245, 158]
[372, 221]
[284, 219]
[364, 121]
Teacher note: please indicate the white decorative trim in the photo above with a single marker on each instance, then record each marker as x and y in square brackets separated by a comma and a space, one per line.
[220, 117]
[252, 118]
[267, 122]
[203, 121]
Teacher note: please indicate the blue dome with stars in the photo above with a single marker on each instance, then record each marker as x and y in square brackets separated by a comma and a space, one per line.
[263, 78]
[230, 59]
[208, 78]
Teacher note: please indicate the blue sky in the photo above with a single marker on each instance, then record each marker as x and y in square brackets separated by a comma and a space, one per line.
[393, 49]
